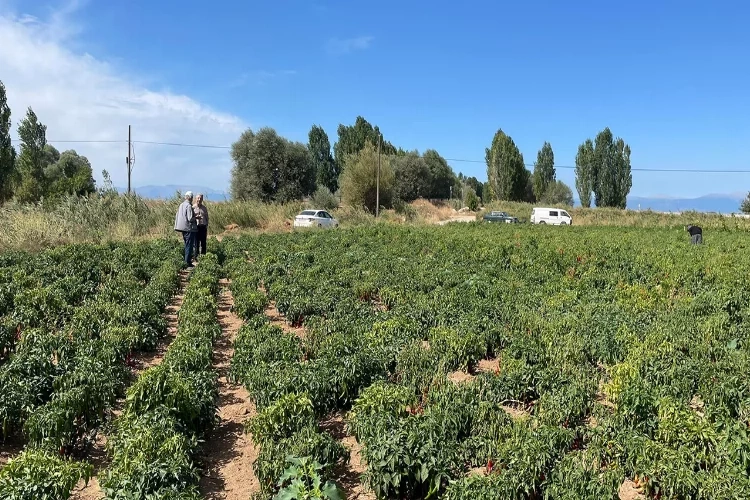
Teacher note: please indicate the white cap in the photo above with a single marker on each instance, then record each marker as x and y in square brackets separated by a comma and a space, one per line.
[188, 194]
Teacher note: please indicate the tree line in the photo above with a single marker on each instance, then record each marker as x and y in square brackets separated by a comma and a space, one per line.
[269, 167]
[602, 170]
[38, 171]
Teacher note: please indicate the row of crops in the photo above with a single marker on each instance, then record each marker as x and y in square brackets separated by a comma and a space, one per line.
[71, 319]
[624, 354]
[154, 445]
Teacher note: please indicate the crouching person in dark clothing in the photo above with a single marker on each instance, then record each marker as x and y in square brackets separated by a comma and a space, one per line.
[696, 234]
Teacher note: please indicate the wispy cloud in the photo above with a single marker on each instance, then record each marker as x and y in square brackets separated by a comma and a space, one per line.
[80, 97]
[337, 46]
[260, 77]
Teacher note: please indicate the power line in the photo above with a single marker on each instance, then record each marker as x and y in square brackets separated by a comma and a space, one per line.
[155, 143]
[79, 142]
[457, 160]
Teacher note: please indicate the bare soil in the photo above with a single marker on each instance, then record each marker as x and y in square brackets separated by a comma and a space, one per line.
[477, 471]
[142, 361]
[8, 450]
[458, 218]
[348, 476]
[98, 458]
[278, 319]
[148, 359]
[516, 412]
[229, 453]
[460, 377]
[629, 491]
[488, 365]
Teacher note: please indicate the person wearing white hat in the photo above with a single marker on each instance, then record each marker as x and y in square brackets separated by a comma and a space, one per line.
[185, 223]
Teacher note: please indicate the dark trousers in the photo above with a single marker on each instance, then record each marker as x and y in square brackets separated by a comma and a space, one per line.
[200, 240]
[189, 244]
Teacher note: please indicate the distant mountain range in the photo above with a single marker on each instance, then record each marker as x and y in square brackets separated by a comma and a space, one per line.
[721, 203]
[169, 191]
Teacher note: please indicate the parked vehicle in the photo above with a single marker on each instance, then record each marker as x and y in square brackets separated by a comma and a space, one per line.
[554, 216]
[315, 218]
[496, 216]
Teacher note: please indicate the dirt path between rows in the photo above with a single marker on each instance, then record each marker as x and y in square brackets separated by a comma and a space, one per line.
[148, 359]
[229, 453]
[9, 450]
[142, 361]
[348, 476]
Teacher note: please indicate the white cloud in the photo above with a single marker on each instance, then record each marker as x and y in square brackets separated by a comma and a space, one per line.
[338, 46]
[80, 97]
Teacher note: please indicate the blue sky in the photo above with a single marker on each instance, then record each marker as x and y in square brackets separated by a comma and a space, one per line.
[671, 78]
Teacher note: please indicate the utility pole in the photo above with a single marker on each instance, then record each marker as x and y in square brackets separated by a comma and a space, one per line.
[129, 159]
[377, 182]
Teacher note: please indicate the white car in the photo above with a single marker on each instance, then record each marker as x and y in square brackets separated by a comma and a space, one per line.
[553, 216]
[315, 218]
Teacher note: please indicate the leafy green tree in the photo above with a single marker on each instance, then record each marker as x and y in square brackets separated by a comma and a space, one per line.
[585, 172]
[413, 178]
[612, 175]
[441, 175]
[51, 155]
[488, 192]
[544, 170]
[358, 179]
[558, 193]
[323, 198]
[243, 177]
[472, 201]
[31, 160]
[323, 163]
[71, 174]
[528, 195]
[263, 159]
[475, 185]
[506, 171]
[745, 206]
[296, 178]
[268, 167]
[7, 152]
[352, 139]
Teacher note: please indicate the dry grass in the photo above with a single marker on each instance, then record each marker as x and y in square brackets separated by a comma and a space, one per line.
[629, 218]
[117, 218]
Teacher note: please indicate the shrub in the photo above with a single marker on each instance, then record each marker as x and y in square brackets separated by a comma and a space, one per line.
[457, 350]
[307, 442]
[579, 476]
[248, 303]
[302, 481]
[289, 414]
[38, 475]
[322, 198]
[472, 201]
[190, 396]
[358, 179]
[149, 457]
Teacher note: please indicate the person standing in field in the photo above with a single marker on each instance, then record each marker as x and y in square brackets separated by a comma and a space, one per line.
[185, 223]
[696, 234]
[201, 214]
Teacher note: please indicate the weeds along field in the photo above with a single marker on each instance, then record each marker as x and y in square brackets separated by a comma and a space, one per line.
[70, 320]
[476, 361]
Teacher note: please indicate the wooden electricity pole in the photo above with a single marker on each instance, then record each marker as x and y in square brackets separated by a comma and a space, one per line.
[129, 159]
[377, 182]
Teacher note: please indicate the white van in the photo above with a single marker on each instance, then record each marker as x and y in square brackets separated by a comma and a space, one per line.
[554, 216]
